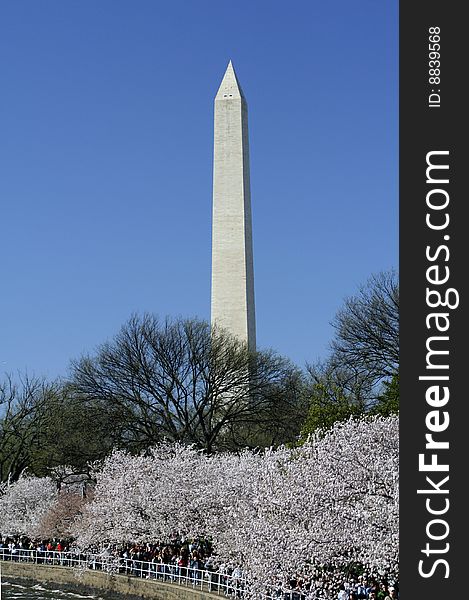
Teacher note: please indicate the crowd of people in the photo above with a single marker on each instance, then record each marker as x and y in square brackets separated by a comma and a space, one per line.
[177, 556]
[186, 560]
[178, 559]
[364, 588]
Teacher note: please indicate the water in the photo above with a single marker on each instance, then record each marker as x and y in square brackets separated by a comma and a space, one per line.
[20, 591]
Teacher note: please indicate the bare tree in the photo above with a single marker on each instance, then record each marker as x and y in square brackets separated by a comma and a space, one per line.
[180, 380]
[364, 358]
[43, 425]
[23, 418]
[367, 330]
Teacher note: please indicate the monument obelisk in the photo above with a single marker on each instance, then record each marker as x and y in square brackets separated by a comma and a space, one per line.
[232, 306]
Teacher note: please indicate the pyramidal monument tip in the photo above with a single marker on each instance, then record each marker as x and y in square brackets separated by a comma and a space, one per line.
[230, 84]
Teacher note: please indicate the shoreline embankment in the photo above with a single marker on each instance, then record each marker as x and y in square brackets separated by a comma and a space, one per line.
[99, 582]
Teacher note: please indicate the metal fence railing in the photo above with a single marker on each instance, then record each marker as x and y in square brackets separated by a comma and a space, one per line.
[214, 581]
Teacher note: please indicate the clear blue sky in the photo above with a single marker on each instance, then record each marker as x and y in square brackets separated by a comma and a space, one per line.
[106, 128]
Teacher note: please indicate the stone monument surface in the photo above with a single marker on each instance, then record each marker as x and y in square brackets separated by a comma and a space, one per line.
[232, 303]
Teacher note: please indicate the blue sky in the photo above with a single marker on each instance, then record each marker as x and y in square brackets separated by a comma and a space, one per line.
[106, 120]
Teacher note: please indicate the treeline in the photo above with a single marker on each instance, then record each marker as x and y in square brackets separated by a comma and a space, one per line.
[180, 381]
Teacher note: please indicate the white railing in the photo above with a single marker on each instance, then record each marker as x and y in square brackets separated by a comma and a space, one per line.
[213, 581]
[217, 581]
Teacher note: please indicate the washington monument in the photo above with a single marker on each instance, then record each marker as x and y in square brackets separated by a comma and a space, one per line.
[232, 264]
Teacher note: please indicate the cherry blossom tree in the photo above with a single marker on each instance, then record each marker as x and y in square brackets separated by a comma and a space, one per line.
[319, 509]
[24, 503]
[59, 519]
[330, 504]
[140, 498]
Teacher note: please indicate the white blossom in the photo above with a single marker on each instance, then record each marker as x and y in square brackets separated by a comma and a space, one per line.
[24, 503]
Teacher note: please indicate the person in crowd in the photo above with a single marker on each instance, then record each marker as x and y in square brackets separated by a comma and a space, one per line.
[382, 591]
[392, 593]
[342, 595]
[362, 589]
[195, 564]
[182, 562]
